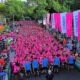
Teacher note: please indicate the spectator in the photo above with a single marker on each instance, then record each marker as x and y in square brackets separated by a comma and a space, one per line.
[49, 75]
[69, 46]
[78, 47]
[2, 61]
[16, 70]
[64, 42]
[2, 75]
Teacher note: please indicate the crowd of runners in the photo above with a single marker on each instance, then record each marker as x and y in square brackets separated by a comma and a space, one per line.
[36, 50]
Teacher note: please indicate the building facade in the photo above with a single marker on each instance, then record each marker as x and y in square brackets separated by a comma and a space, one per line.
[2, 1]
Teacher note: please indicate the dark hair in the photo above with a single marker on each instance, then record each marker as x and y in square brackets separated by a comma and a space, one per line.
[58, 55]
[17, 64]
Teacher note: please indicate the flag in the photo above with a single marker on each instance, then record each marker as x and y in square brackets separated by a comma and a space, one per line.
[63, 22]
[48, 19]
[52, 21]
[78, 26]
[69, 24]
[75, 22]
[57, 21]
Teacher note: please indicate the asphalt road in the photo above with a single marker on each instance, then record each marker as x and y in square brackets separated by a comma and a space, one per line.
[62, 75]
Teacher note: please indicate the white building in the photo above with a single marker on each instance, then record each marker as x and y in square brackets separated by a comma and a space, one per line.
[2, 1]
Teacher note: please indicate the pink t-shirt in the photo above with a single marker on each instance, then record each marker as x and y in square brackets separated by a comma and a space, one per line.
[16, 69]
[62, 58]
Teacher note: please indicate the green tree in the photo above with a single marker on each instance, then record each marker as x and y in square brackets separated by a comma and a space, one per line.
[2, 8]
[15, 8]
[34, 8]
[68, 4]
[40, 7]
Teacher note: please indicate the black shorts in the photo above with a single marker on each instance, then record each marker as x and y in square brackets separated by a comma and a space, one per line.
[45, 68]
[71, 64]
[28, 71]
[35, 69]
[65, 64]
[55, 66]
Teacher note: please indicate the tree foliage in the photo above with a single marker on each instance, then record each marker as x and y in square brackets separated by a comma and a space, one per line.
[44, 6]
[34, 8]
[15, 8]
[2, 7]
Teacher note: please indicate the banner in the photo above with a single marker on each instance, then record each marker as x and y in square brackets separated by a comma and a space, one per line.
[69, 24]
[78, 26]
[48, 19]
[75, 22]
[63, 22]
[52, 21]
[57, 21]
